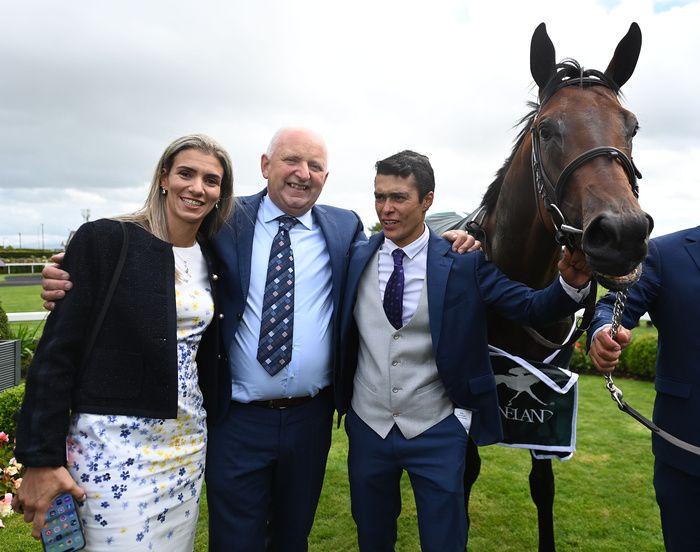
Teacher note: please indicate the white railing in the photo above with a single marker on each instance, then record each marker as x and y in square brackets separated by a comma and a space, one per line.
[33, 265]
[26, 316]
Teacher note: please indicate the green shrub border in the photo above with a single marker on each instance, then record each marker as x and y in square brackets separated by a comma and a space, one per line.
[10, 401]
[4, 325]
[637, 361]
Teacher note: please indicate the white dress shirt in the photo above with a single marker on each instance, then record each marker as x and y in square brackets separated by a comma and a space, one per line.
[414, 268]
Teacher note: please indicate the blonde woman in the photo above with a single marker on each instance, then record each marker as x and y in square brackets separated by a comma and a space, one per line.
[123, 427]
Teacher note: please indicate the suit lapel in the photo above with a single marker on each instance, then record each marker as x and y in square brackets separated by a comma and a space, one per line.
[437, 275]
[331, 234]
[245, 216]
[693, 245]
[361, 254]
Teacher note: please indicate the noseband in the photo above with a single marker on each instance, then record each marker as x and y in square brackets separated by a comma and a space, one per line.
[553, 194]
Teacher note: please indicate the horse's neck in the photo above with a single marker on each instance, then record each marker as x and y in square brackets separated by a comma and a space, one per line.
[523, 247]
[518, 241]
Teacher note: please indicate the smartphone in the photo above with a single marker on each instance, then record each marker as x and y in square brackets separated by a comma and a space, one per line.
[62, 531]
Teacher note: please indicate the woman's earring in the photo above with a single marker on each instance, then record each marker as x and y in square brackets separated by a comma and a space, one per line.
[163, 191]
[216, 205]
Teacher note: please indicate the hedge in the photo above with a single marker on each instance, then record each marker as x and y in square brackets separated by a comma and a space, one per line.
[638, 360]
[35, 255]
[4, 326]
[580, 361]
[10, 401]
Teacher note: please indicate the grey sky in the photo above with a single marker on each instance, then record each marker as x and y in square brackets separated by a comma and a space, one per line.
[93, 91]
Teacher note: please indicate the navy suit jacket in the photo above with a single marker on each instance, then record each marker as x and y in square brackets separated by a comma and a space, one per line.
[234, 245]
[460, 289]
[669, 290]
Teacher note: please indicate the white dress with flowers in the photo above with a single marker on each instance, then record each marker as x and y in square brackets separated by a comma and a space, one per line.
[143, 476]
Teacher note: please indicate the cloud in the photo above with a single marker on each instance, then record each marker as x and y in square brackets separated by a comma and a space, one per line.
[93, 92]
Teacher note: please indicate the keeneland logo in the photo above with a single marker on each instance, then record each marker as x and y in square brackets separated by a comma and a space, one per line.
[521, 381]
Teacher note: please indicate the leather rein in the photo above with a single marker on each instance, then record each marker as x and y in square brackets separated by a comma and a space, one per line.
[616, 392]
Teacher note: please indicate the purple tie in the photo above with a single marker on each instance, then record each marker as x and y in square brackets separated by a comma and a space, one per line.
[277, 320]
[393, 294]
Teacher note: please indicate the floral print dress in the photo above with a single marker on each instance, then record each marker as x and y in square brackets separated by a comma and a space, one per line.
[143, 476]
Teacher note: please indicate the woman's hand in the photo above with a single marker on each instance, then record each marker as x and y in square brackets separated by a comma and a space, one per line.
[39, 487]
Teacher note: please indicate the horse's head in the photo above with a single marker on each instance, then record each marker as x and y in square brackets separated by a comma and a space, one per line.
[582, 158]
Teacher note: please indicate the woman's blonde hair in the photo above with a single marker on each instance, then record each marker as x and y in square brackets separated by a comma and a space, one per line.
[152, 215]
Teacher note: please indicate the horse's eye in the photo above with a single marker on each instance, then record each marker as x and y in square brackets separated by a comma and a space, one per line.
[545, 132]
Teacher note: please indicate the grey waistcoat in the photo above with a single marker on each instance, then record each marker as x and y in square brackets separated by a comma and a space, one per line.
[396, 381]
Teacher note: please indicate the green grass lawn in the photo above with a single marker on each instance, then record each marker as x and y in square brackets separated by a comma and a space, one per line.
[21, 298]
[604, 501]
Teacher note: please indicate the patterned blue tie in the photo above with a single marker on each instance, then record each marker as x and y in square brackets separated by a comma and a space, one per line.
[393, 294]
[277, 320]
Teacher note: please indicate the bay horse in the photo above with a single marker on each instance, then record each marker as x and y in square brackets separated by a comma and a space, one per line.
[569, 180]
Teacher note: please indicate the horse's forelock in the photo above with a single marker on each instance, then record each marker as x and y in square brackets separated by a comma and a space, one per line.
[570, 69]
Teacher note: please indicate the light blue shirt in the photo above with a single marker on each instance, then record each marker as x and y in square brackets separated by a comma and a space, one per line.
[310, 368]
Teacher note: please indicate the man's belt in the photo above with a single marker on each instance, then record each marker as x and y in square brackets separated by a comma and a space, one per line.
[280, 404]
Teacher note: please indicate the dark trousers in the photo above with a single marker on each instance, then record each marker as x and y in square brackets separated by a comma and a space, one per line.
[678, 496]
[264, 475]
[434, 461]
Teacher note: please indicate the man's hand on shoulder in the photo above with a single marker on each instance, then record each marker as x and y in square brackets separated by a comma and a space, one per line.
[462, 242]
[55, 282]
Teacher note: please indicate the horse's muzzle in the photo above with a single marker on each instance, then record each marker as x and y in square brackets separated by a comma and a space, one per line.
[615, 245]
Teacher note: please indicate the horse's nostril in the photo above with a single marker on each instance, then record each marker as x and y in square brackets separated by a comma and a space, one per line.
[615, 243]
[615, 230]
[601, 232]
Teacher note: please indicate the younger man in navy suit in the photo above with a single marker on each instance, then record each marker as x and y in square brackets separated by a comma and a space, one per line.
[414, 373]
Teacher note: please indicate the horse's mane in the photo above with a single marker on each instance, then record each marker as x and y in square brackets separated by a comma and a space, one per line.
[565, 71]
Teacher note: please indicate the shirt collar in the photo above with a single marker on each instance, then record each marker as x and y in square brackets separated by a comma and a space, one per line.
[413, 248]
[270, 212]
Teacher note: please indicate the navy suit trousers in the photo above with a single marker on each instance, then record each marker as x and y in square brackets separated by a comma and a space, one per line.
[434, 461]
[678, 495]
[264, 474]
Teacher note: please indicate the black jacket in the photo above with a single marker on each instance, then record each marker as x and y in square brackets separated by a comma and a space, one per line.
[132, 369]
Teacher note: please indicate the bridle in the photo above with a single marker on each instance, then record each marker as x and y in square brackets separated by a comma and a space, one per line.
[553, 194]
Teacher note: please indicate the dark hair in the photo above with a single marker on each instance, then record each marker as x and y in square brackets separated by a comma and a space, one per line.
[407, 163]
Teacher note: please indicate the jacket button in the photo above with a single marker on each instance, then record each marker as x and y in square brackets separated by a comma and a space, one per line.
[395, 363]
[395, 390]
[239, 316]
[214, 277]
[221, 316]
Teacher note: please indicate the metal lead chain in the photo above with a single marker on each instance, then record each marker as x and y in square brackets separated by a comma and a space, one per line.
[618, 309]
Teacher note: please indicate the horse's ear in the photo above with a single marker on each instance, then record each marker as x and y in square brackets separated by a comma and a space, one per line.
[626, 55]
[541, 56]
